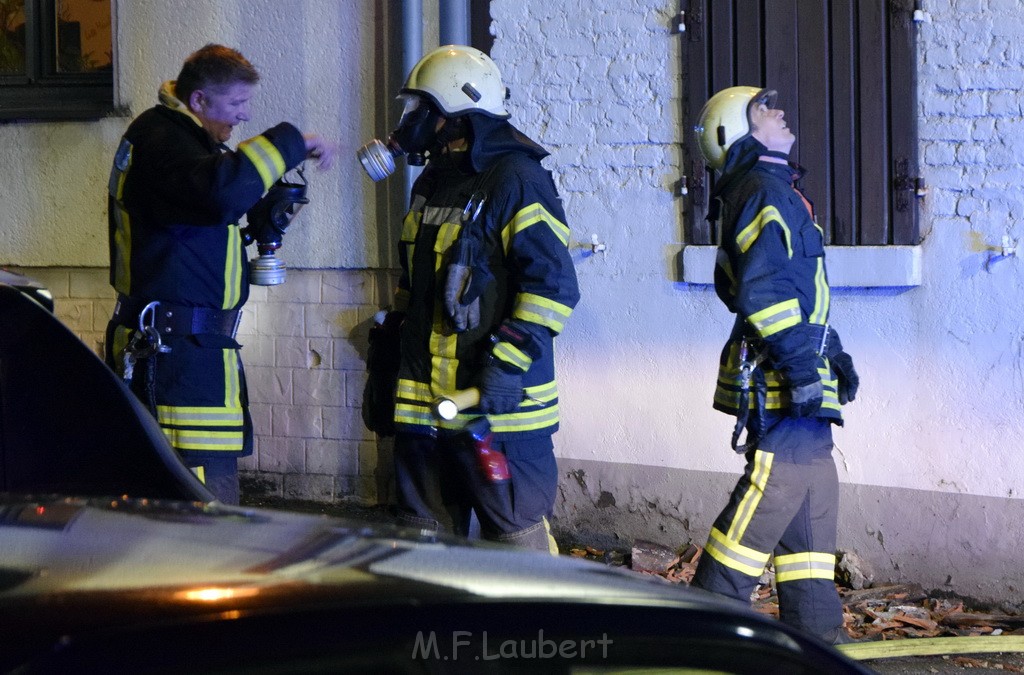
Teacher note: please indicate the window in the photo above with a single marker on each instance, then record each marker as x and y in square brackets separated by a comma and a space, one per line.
[56, 59]
[846, 75]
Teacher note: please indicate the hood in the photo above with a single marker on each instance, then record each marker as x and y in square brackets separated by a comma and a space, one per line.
[741, 158]
[494, 137]
[137, 585]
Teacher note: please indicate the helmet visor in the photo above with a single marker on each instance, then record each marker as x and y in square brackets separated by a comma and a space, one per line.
[768, 97]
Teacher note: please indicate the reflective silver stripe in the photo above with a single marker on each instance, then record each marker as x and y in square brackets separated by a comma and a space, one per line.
[800, 566]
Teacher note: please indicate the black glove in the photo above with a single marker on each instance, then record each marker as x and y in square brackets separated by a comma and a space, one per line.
[805, 399]
[849, 381]
[842, 365]
[501, 387]
[382, 362]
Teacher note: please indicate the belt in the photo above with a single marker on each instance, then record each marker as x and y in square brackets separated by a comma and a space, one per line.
[170, 319]
[817, 335]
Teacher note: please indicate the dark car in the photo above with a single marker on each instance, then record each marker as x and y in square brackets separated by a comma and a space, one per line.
[140, 572]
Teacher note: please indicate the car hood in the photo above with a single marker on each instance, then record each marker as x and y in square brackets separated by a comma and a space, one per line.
[62, 545]
[139, 585]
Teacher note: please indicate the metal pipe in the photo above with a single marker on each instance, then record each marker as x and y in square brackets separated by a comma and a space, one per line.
[412, 52]
[454, 22]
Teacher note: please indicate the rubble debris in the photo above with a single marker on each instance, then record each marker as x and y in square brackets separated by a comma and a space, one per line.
[648, 556]
[853, 571]
[886, 612]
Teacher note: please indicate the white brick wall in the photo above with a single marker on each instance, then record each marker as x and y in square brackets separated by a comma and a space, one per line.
[304, 350]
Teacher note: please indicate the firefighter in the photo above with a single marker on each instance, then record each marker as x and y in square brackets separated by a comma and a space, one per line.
[487, 283]
[178, 262]
[783, 372]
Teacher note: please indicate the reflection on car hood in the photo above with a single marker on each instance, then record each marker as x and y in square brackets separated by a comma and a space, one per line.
[66, 545]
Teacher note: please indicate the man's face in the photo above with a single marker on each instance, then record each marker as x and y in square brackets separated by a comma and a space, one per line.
[770, 128]
[220, 108]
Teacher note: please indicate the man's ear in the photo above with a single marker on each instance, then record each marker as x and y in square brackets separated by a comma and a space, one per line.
[196, 100]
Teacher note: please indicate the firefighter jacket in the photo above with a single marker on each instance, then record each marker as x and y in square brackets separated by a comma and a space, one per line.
[175, 198]
[770, 272]
[529, 280]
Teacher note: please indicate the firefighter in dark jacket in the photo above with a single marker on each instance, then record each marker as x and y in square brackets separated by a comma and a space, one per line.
[487, 284]
[783, 371]
[177, 257]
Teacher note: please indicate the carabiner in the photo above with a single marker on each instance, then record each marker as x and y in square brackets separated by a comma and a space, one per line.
[474, 206]
[150, 312]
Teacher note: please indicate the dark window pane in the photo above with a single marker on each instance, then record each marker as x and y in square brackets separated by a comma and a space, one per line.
[83, 36]
[12, 37]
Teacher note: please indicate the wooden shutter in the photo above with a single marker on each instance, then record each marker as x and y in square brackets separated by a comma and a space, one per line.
[845, 71]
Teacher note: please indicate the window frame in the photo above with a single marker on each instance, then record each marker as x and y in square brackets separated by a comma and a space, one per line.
[43, 93]
[854, 107]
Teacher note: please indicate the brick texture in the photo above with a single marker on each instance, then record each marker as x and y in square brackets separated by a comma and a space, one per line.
[304, 349]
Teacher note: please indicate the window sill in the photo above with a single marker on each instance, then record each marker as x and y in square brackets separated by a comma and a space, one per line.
[848, 266]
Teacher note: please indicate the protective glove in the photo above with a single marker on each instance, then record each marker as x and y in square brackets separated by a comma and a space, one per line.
[849, 381]
[805, 399]
[501, 387]
[382, 362]
[463, 312]
[842, 365]
[467, 277]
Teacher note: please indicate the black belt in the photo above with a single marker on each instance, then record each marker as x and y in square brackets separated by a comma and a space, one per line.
[170, 319]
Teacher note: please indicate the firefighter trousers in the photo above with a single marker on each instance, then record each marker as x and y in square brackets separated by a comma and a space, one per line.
[439, 486]
[786, 505]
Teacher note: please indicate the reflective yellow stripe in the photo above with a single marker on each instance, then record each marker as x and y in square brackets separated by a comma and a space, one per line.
[265, 157]
[195, 439]
[755, 491]
[748, 235]
[540, 310]
[822, 294]
[406, 413]
[200, 472]
[525, 421]
[779, 316]
[544, 393]
[122, 250]
[810, 565]
[415, 391]
[538, 411]
[735, 556]
[411, 226]
[232, 380]
[512, 355]
[233, 268]
[531, 215]
[200, 416]
[731, 399]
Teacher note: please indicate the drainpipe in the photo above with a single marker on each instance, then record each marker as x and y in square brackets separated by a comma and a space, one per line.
[412, 52]
[454, 22]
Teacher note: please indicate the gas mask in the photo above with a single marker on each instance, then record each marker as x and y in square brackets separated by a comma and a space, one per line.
[415, 137]
[268, 220]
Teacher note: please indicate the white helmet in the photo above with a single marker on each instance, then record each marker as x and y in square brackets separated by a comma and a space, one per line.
[459, 80]
[725, 119]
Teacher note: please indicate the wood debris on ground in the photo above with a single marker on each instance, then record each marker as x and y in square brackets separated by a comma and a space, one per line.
[882, 612]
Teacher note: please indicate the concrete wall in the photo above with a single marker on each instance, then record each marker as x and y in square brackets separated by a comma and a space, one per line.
[931, 486]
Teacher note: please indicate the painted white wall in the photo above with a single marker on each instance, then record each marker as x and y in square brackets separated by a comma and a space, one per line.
[941, 365]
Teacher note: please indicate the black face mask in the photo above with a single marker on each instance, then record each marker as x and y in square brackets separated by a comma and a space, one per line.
[417, 130]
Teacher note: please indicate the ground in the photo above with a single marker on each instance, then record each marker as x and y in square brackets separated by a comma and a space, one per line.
[889, 613]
